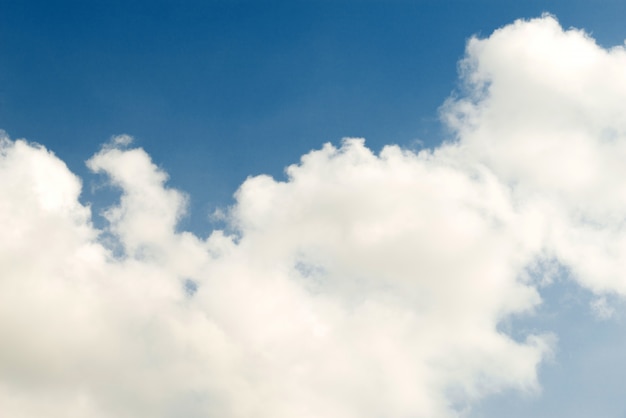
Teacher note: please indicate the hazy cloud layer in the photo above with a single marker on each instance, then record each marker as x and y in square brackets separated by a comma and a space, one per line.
[363, 286]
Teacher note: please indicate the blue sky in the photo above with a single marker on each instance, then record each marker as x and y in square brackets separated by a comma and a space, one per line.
[217, 92]
[220, 90]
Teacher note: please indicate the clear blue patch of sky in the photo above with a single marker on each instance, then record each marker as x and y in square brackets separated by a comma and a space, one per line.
[585, 376]
[216, 91]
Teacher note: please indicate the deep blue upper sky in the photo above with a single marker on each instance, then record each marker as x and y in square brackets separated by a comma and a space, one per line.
[216, 91]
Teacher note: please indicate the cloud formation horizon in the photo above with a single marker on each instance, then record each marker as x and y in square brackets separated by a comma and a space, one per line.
[364, 285]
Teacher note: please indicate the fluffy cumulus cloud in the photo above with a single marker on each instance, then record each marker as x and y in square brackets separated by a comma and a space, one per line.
[365, 285]
[544, 112]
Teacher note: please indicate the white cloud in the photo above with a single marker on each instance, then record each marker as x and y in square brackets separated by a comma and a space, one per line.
[602, 309]
[362, 286]
[545, 114]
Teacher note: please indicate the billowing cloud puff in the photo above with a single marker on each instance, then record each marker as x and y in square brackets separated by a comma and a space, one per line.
[362, 286]
[544, 112]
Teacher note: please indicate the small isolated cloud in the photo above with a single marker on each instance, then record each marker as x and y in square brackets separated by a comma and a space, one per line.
[364, 285]
[602, 309]
[122, 140]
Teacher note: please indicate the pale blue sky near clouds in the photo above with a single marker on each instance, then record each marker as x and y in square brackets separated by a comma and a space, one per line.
[217, 91]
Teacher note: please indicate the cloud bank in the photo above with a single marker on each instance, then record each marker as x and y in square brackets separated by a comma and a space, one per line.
[365, 285]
